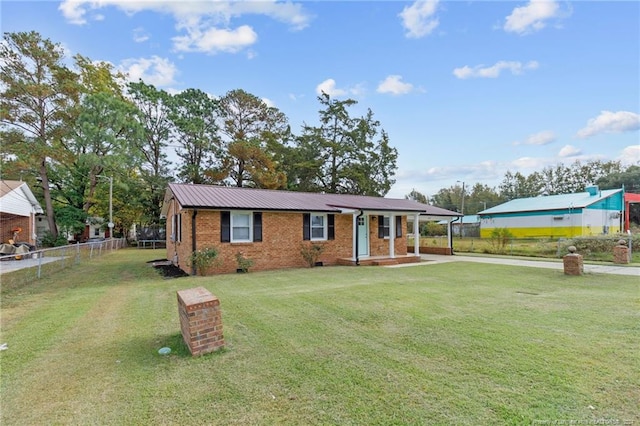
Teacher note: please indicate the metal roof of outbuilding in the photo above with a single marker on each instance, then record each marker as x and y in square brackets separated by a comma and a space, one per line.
[234, 198]
[551, 202]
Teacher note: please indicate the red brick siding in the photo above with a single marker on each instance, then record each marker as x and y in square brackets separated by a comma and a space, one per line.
[12, 222]
[380, 246]
[280, 246]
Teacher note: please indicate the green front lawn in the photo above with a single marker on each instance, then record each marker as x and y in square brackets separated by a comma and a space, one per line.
[455, 343]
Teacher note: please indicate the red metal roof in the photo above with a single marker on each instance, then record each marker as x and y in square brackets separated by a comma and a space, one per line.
[234, 198]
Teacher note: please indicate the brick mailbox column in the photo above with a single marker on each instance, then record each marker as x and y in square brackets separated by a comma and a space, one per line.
[200, 320]
[621, 253]
[573, 264]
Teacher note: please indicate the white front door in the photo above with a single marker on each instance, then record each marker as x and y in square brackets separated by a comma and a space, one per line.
[363, 236]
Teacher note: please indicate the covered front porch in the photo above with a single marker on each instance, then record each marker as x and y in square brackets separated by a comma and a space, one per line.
[393, 237]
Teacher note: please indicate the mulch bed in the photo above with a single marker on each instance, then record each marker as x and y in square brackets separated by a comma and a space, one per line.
[167, 269]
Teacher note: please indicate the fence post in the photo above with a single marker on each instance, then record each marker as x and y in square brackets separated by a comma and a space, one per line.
[40, 264]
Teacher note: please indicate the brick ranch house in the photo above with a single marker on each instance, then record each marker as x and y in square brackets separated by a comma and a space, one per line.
[270, 227]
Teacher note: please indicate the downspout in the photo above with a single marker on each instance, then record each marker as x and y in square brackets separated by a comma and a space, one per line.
[175, 258]
[357, 231]
[193, 239]
[451, 231]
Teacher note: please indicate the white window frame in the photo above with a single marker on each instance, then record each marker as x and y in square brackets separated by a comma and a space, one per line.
[233, 216]
[386, 229]
[176, 227]
[325, 226]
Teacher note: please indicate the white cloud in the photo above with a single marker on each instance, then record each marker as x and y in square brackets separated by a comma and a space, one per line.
[418, 19]
[215, 40]
[269, 102]
[630, 155]
[481, 170]
[155, 70]
[329, 87]
[541, 138]
[293, 14]
[205, 24]
[73, 12]
[532, 17]
[140, 35]
[611, 122]
[494, 71]
[393, 84]
[569, 151]
[530, 163]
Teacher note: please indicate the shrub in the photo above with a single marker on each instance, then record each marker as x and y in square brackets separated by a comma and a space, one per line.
[311, 253]
[49, 241]
[432, 229]
[203, 259]
[499, 238]
[244, 263]
[595, 244]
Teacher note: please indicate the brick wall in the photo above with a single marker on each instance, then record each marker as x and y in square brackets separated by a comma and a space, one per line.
[280, 246]
[12, 222]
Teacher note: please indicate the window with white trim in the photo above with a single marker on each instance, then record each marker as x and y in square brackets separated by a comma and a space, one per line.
[385, 226]
[176, 228]
[318, 227]
[241, 228]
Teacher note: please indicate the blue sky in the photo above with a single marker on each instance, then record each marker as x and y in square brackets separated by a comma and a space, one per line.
[466, 90]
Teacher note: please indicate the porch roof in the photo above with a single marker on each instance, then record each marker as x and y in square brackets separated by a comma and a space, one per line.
[224, 197]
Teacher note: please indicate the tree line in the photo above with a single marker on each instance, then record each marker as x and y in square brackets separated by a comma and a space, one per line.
[552, 180]
[68, 130]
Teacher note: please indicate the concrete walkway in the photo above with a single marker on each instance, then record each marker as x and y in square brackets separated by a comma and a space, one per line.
[432, 259]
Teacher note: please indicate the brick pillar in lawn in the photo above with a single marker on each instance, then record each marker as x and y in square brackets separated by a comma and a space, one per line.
[573, 263]
[200, 320]
[621, 253]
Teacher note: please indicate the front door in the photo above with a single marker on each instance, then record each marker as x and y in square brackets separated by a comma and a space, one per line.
[363, 236]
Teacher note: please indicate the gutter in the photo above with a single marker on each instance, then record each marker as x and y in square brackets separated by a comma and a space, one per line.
[193, 239]
[451, 231]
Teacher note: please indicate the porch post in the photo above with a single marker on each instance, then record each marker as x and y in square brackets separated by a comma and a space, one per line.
[416, 234]
[449, 235]
[392, 236]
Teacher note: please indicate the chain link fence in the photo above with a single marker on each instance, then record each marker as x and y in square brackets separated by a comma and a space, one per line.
[23, 268]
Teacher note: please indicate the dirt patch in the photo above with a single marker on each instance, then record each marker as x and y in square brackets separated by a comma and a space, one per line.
[167, 269]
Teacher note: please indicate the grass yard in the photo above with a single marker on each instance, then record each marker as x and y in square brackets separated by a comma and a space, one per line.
[455, 343]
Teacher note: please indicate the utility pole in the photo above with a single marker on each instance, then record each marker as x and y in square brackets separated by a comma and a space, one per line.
[462, 203]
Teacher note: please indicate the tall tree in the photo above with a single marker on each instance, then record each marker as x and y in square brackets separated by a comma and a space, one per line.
[37, 104]
[154, 119]
[253, 134]
[629, 178]
[481, 197]
[194, 116]
[417, 196]
[449, 198]
[350, 159]
[520, 186]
